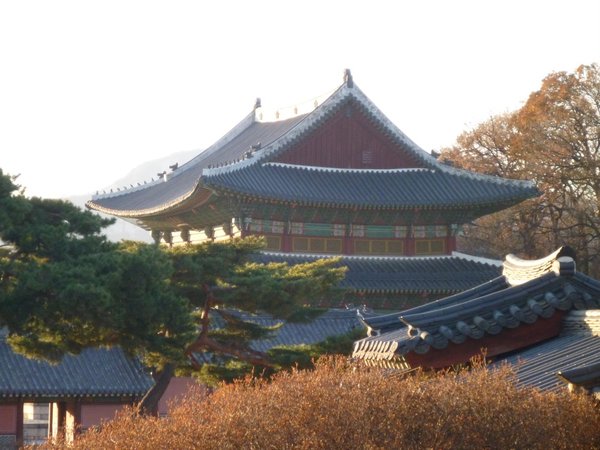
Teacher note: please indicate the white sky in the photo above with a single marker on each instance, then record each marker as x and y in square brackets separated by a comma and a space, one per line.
[88, 90]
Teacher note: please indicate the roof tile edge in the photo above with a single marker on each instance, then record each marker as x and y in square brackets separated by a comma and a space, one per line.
[518, 271]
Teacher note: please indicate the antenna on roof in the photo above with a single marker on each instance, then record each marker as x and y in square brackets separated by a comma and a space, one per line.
[348, 81]
[257, 103]
[174, 166]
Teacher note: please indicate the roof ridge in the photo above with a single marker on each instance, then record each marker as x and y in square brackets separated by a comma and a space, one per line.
[360, 257]
[479, 259]
[553, 286]
[345, 169]
[343, 93]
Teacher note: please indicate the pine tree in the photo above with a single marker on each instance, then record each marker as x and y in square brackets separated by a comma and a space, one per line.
[64, 287]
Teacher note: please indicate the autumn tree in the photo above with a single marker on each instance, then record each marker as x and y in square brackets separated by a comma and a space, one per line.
[554, 139]
[64, 287]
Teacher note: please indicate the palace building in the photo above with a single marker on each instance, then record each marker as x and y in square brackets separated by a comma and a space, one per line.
[336, 178]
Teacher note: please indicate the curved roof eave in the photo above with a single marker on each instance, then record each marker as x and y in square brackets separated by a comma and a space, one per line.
[369, 206]
[201, 193]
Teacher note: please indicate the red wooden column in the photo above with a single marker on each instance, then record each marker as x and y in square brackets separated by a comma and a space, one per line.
[8, 419]
[410, 247]
[77, 417]
[19, 430]
[347, 247]
[286, 241]
[450, 244]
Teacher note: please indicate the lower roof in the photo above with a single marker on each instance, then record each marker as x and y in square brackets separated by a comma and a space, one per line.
[396, 188]
[95, 372]
[540, 365]
[437, 275]
[332, 322]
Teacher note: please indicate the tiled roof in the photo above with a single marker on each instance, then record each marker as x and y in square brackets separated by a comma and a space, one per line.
[409, 275]
[485, 310]
[183, 181]
[540, 365]
[573, 357]
[391, 189]
[93, 373]
[239, 164]
[333, 322]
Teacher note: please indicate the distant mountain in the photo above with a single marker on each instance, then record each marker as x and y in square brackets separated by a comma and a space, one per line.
[123, 230]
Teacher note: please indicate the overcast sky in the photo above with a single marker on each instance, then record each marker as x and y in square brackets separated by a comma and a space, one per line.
[89, 90]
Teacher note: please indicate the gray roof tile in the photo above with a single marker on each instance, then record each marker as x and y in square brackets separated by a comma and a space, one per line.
[92, 373]
[539, 366]
[334, 322]
[409, 275]
[400, 189]
[184, 180]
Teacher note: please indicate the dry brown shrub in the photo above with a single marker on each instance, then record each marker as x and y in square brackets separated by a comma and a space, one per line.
[339, 406]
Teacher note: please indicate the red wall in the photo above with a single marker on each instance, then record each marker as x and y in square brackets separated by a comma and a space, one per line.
[341, 141]
[93, 414]
[8, 419]
[178, 388]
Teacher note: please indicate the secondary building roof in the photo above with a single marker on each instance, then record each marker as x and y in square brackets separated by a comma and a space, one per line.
[572, 358]
[523, 306]
[93, 373]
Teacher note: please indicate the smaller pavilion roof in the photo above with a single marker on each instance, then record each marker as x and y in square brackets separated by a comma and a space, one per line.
[526, 291]
[95, 372]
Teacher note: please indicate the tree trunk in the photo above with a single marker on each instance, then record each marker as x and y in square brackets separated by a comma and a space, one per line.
[148, 405]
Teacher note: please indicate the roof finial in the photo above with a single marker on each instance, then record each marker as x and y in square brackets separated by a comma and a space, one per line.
[257, 103]
[348, 78]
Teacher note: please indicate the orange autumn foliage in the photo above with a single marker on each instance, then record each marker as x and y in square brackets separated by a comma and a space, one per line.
[341, 406]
